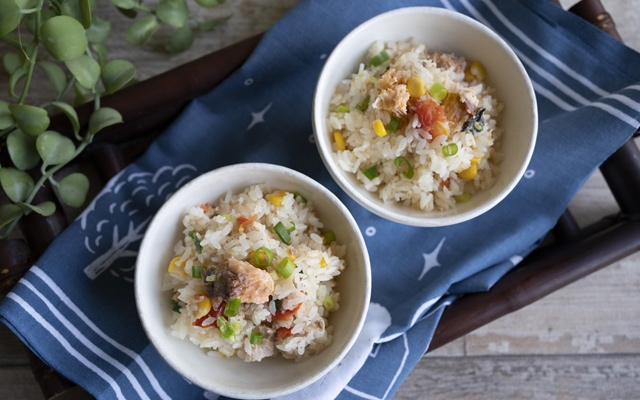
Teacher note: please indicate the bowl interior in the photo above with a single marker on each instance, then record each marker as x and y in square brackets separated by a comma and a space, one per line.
[445, 31]
[231, 376]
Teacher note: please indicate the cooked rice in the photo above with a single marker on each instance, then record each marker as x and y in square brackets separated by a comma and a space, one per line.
[316, 264]
[435, 181]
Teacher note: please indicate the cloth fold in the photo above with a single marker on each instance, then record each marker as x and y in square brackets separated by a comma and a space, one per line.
[75, 308]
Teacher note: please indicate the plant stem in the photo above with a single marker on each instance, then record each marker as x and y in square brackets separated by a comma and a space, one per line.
[66, 89]
[34, 53]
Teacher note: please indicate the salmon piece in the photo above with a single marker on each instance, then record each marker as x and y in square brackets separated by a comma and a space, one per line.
[393, 99]
[238, 279]
[392, 78]
[446, 61]
[458, 109]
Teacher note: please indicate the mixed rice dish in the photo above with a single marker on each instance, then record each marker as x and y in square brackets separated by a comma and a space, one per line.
[253, 276]
[415, 128]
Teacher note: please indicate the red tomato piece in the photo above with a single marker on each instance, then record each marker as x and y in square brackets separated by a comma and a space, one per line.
[429, 113]
[283, 333]
[213, 313]
[283, 315]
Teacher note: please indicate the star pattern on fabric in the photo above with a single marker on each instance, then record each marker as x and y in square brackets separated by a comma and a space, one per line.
[258, 117]
[431, 259]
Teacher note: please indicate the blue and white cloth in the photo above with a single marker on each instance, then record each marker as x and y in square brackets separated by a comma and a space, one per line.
[75, 308]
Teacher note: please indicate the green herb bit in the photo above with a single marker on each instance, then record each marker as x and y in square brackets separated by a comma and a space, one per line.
[329, 237]
[342, 109]
[401, 160]
[211, 278]
[328, 303]
[232, 307]
[196, 271]
[263, 257]
[226, 330]
[297, 194]
[393, 125]
[282, 233]
[450, 150]
[478, 126]
[365, 104]
[462, 198]
[286, 267]
[278, 303]
[293, 227]
[193, 236]
[236, 326]
[438, 91]
[175, 306]
[371, 173]
[227, 216]
[380, 58]
[256, 338]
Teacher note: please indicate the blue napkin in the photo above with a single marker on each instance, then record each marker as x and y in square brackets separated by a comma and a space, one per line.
[75, 309]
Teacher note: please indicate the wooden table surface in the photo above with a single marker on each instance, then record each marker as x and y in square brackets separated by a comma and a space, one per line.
[582, 342]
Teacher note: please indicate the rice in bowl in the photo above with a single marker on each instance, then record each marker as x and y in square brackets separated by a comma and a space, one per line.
[253, 276]
[418, 129]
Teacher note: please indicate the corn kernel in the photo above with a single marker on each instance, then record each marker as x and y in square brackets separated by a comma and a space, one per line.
[276, 197]
[291, 256]
[378, 127]
[476, 160]
[416, 87]
[470, 172]
[323, 263]
[273, 275]
[340, 145]
[478, 71]
[440, 129]
[176, 267]
[204, 306]
[468, 76]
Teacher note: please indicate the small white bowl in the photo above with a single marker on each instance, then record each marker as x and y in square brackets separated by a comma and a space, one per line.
[450, 32]
[233, 377]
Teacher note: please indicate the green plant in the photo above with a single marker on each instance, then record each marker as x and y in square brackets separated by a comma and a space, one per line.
[73, 37]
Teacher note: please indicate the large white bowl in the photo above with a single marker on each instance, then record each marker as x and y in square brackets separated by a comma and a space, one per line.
[445, 31]
[231, 376]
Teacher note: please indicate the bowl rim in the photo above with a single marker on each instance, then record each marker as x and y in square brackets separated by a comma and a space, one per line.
[152, 336]
[378, 207]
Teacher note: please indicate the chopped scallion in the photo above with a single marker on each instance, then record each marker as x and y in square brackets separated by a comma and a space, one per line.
[293, 227]
[286, 267]
[211, 278]
[196, 271]
[282, 233]
[226, 331]
[297, 194]
[329, 237]
[450, 150]
[401, 160]
[232, 307]
[380, 58]
[278, 303]
[193, 236]
[365, 104]
[175, 306]
[236, 326]
[256, 338]
[263, 256]
[478, 126]
[227, 216]
[438, 91]
[371, 172]
[462, 198]
[328, 303]
[342, 109]
[393, 125]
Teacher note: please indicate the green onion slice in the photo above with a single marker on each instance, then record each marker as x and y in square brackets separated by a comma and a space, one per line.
[380, 58]
[365, 104]
[462, 198]
[328, 303]
[342, 109]
[402, 160]
[227, 216]
[267, 255]
[282, 232]
[393, 125]
[293, 227]
[211, 278]
[478, 126]
[278, 303]
[226, 330]
[297, 194]
[450, 150]
[286, 267]
[193, 236]
[232, 307]
[196, 271]
[438, 91]
[329, 237]
[371, 173]
[175, 306]
[256, 338]
[236, 326]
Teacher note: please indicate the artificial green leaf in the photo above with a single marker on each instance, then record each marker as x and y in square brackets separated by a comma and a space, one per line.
[56, 75]
[26, 4]
[16, 77]
[85, 69]
[207, 26]
[10, 16]
[45, 14]
[73, 8]
[54, 148]
[181, 40]
[173, 12]
[126, 4]
[31, 120]
[141, 30]
[81, 94]
[9, 212]
[11, 62]
[116, 74]
[70, 112]
[210, 3]
[6, 119]
[16, 184]
[99, 30]
[73, 189]
[85, 14]
[47, 208]
[102, 118]
[101, 51]
[22, 150]
[64, 38]
[131, 14]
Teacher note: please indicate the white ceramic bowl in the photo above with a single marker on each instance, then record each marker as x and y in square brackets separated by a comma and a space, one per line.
[445, 31]
[233, 377]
